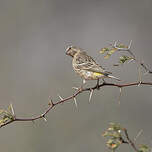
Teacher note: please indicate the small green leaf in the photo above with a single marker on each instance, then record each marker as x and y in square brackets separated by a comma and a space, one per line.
[115, 127]
[107, 56]
[105, 134]
[103, 50]
[113, 50]
[144, 148]
[124, 58]
[112, 134]
[112, 144]
[6, 115]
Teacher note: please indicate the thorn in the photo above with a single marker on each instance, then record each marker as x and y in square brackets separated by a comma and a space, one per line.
[45, 119]
[139, 133]
[60, 97]
[130, 45]
[75, 101]
[139, 75]
[91, 92]
[130, 60]
[43, 116]
[12, 109]
[50, 102]
[78, 89]
[139, 83]
[115, 43]
[120, 95]
[75, 88]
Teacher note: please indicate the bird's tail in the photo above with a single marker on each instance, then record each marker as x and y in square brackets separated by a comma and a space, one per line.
[110, 76]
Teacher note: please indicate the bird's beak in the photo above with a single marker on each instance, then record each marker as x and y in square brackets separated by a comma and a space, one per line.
[67, 50]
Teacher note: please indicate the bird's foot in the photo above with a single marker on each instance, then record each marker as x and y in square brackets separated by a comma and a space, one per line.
[97, 85]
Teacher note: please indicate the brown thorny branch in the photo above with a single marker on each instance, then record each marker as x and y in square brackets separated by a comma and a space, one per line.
[91, 89]
[81, 90]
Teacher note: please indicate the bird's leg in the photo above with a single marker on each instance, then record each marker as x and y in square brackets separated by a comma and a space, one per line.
[103, 80]
[97, 85]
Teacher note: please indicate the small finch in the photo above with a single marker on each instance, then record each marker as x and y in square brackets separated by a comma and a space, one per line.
[85, 66]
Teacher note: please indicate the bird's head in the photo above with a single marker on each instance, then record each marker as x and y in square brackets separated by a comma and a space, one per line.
[71, 50]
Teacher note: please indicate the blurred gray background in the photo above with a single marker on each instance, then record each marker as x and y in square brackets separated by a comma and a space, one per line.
[33, 66]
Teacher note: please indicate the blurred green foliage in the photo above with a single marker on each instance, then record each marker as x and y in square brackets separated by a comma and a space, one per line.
[6, 115]
[108, 51]
[116, 136]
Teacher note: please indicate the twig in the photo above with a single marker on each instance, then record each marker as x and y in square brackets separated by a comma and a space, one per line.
[90, 96]
[75, 102]
[129, 140]
[120, 95]
[53, 105]
[133, 56]
[139, 133]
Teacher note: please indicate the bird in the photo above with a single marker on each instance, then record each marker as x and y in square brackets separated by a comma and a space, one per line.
[86, 67]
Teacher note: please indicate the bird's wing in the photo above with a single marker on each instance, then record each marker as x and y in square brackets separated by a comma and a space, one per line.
[85, 62]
